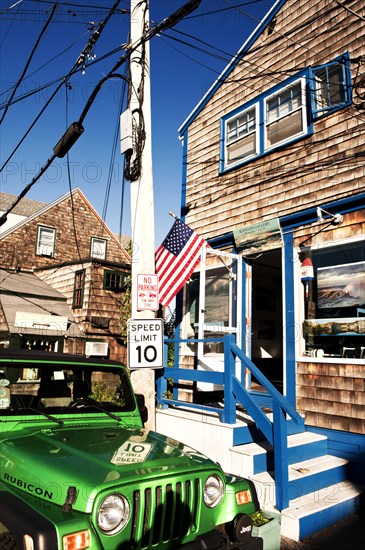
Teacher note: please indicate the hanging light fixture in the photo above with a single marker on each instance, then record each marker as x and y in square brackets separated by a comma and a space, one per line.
[335, 219]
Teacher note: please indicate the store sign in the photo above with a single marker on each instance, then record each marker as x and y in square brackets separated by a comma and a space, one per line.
[258, 237]
[40, 322]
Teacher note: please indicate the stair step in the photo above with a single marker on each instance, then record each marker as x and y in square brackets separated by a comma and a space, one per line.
[304, 477]
[320, 509]
[258, 457]
[316, 473]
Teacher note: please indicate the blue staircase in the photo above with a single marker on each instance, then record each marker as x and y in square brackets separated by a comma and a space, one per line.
[318, 490]
[264, 438]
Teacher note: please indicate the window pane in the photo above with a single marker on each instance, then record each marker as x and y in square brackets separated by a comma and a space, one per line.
[335, 302]
[98, 248]
[45, 242]
[284, 102]
[284, 128]
[241, 125]
[78, 289]
[241, 149]
[114, 280]
[192, 305]
[329, 86]
[241, 137]
[217, 297]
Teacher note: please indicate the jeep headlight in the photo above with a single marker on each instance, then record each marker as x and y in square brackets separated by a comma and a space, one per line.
[113, 514]
[213, 491]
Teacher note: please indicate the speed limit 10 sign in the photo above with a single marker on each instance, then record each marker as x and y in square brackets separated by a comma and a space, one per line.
[145, 343]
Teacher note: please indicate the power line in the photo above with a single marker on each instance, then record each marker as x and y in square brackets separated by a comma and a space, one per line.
[79, 65]
[350, 10]
[29, 59]
[61, 147]
[75, 130]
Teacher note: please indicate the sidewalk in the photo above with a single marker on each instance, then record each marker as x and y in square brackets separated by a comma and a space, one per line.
[348, 534]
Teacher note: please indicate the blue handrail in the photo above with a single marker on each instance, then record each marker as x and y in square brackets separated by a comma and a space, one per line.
[235, 393]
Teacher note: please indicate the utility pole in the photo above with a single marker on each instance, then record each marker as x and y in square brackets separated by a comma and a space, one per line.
[136, 133]
[141, 177]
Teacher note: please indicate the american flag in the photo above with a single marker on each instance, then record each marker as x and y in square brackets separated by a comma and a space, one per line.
[176, 259]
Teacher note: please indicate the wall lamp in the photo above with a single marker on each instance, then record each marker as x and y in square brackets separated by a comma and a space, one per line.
[335, 219]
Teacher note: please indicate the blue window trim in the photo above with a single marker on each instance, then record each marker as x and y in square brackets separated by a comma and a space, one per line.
[344, 61]
[260, 100]
[311, 114]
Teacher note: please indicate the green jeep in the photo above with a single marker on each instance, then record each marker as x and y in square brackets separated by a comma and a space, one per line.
[78, 469]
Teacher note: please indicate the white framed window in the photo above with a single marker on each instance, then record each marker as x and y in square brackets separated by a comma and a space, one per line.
[98, 248]
[242, 136]
[285, 114]
[333, 301]
[46, 239]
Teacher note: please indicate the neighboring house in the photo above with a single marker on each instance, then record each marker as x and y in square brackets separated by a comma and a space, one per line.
[274, 178]
[33, 315]
[66, 245]
[26, 207]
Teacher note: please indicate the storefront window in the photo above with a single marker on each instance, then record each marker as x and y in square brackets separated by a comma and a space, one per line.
[334, 323]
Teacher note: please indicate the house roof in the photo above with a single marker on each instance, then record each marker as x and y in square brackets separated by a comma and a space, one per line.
[233, 63]
[31, 306]
[48, 206]
[26, 207]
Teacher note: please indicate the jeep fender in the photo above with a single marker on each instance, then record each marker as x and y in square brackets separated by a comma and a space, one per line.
[20, 518]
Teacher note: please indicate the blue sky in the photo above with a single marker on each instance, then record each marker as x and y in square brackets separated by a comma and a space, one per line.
[180, 75]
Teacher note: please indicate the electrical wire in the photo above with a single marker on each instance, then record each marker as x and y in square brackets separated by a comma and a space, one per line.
[350, 10]
[25, 11]
[113, 152]
[26, 189]
[70, 184]
[9, 27]
[276, 32]
[76, 5]
[80, 63]
[50, 17]
[229, 56]
[110, 74]
[60, 54]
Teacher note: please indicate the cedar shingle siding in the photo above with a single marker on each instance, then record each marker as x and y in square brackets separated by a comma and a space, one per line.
[324, 166]
[319, 168]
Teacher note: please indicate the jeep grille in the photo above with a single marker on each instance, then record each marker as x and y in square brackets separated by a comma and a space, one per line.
[164, 513]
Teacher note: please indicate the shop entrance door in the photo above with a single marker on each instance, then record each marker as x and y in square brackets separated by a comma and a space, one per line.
[267, 316]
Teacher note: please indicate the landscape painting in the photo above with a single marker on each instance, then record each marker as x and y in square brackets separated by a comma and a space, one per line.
[341, 286]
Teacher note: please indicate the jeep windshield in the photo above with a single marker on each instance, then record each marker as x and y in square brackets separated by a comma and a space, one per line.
[53, 387]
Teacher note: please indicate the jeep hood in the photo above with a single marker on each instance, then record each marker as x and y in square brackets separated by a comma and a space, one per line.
[91, 458]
